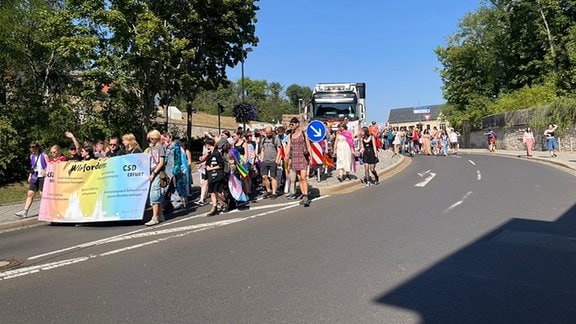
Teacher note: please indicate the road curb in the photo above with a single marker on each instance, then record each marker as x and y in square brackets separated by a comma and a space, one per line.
[20, 224]
[384, 174]
[533, 159]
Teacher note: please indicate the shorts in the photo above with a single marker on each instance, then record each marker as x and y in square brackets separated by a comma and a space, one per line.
[552, 144]
[38, 185]
[156, 196]
[268, 169]
[453, 145]
[216, 187]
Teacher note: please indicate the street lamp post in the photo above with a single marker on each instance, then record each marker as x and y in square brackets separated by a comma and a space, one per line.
[246, 51]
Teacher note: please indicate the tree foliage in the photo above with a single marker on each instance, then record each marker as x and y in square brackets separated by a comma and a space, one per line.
[58, 57]
[509, 54]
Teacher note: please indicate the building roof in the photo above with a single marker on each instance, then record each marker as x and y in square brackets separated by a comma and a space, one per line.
[407, 115]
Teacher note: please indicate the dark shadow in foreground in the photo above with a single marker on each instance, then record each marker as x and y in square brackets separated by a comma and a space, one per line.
[522, 272]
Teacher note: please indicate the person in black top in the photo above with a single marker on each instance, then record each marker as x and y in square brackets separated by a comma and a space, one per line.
[550, 135]
[215, 174]
[114, 147]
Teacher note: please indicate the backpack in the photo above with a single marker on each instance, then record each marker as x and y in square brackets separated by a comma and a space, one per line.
[271, 141]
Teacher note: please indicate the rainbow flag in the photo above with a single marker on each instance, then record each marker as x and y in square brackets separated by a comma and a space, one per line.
[240, 164]
[327, 160]
[235, 186]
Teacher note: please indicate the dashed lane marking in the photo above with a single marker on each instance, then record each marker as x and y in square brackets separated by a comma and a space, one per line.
[458, 203]
[176, 233]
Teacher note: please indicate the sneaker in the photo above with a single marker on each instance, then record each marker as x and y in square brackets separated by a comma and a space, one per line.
[225, 208]
[292, 196]
[153, 221]
[200, 203]
[273, 196]
[305, 201]
[213, 212]
[22, 214]
[266, 195]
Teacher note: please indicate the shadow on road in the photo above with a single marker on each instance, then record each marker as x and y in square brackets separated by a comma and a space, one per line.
[522, 272]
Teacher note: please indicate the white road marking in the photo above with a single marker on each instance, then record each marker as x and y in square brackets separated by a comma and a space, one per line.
[134, 234]
[177, 232]
[471, 162]
[425, 182]
[478, 175]
[422, 174]
[458, 203]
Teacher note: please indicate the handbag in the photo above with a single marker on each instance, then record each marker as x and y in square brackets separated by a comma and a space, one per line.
[163, 179]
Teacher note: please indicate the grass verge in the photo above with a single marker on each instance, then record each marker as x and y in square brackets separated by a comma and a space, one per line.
[13, 193]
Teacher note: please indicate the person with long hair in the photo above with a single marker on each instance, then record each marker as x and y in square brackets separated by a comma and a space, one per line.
[528, 140]
[241, 146]
[38, 164]
[130, 144]
[369, 153]
[344, 152]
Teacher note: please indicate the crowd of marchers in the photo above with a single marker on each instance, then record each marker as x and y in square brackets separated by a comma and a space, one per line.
[412, 140]
[238, 167]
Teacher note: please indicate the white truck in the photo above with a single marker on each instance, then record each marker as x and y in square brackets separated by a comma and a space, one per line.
[333, 103]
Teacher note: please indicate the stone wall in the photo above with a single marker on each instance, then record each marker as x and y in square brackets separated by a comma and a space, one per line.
[509, 128]
[511, 139]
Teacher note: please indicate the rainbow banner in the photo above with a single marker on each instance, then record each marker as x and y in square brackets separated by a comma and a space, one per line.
[114, 189]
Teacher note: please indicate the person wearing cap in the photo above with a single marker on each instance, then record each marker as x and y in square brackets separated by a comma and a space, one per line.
[74, 149]
[491, 139]
[73, 153]
[298, 148]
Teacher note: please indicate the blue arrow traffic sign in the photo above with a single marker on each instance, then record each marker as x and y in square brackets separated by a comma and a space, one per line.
[316, 131]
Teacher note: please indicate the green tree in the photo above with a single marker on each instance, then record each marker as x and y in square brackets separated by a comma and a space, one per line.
[296, 92]
[166, 48]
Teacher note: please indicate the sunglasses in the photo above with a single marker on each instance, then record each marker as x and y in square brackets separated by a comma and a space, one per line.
[113, 144]
[33, 146]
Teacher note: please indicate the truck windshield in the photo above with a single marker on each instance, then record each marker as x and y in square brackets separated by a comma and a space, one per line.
[334, 106]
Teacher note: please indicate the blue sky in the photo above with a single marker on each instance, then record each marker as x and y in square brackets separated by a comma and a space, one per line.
[387, 44]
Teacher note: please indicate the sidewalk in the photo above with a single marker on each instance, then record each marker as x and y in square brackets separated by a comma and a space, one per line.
[564, 159]
[388, 164]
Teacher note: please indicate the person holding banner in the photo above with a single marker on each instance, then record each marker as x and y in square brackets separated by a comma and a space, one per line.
[130, 144]
[38, 164]
[157, 155]
[57, 156]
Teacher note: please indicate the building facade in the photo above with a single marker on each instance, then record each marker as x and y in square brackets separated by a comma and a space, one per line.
[425, 117]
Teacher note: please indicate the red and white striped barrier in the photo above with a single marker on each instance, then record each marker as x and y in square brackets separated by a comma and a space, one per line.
[316, 154]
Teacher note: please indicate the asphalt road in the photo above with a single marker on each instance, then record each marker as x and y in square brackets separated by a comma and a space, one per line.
[459, 239]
